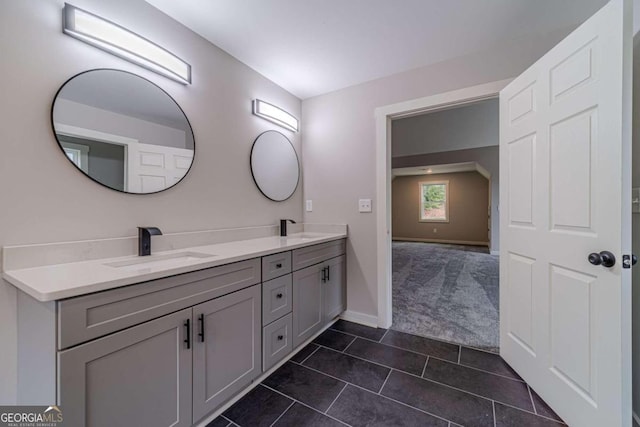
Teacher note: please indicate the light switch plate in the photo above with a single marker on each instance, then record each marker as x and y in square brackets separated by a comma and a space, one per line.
[309, 206]
[364, 205]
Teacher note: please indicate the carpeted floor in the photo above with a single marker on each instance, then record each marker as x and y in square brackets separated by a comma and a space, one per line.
[446, 292]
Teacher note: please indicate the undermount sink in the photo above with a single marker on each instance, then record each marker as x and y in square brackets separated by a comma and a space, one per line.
[305, 236]
[170, 260]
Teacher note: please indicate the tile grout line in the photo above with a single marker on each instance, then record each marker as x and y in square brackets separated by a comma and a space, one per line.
[304, 404]
[420, 354]
[334, 400]
[367, 390]
[532, 402]
[228, 420]
[312, 353]
[465, 391]
[531, 413]
[384, 335]
[406, 349]
[481, 370]
[440, 417]
[349, 345]
[426, 362]
[493, 405]
[282, 414]
[415, 376]
[385, 382]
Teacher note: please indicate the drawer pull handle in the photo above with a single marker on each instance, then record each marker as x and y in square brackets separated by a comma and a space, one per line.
[187, 340]
[279, 265]
[280, 337]
[279, 295]
[328, 273]
[201, 333]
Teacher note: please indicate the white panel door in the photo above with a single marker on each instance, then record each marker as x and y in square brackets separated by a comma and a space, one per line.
[154, 168]
[565, 189]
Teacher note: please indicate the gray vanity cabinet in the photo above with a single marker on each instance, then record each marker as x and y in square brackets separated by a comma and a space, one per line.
[334, 289]
[308, 312]
[139, 376]
[226, 348]
[319, 291]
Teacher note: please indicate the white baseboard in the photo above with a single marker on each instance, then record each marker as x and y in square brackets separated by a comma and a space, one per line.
[636, 420]
[451, 242]
[495, 252]
[361, 318]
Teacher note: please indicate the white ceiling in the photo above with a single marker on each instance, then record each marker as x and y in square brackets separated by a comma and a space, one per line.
[311, 47]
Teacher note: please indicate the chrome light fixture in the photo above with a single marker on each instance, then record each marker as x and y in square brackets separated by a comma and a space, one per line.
[123, 43]
[275, 115]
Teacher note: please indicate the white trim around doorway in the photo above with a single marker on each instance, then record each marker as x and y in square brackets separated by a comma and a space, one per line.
[384, 116]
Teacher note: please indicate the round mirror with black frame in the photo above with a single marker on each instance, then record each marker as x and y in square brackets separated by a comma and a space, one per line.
[274, 166]
[123, 131]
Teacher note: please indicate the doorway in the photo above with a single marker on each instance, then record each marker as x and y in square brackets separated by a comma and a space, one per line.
[384, 118]
[445, 168]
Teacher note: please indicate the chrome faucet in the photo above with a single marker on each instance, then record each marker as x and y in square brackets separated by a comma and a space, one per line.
[144, 239]
[283, 226]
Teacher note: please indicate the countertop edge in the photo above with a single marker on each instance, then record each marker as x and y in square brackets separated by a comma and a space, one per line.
[11, 275]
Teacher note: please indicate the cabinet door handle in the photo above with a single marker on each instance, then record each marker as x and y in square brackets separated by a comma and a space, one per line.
[324, 275]
[279, 295]
[328, 273]
[279, 265]
[201, 333]
[280, 337]
[187, 340]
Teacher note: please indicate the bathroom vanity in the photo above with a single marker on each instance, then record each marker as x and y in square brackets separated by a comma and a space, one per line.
[172, 349]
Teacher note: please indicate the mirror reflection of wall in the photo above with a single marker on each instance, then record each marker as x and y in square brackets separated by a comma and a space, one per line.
[123, 131]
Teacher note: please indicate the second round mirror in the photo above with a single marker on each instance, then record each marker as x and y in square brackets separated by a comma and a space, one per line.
[274, 166]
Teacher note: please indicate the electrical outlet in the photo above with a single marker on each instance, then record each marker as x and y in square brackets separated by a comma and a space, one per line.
[364, 205]
[435, 230]
[309, 205]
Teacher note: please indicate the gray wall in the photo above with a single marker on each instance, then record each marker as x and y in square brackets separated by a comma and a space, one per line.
[487, 157]
[339, 146]
[45, 199]
[470, 126]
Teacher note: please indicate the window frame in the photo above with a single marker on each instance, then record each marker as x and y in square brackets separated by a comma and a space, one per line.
[447, 193]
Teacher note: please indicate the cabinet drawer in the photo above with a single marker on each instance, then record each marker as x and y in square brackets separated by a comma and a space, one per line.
[276, 265]
[276, 298]
[91, 316]
[315, 254]
[276, 342]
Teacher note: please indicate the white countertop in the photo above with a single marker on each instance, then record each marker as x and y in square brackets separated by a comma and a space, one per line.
[59, 281]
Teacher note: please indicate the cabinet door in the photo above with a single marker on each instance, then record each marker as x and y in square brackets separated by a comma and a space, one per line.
[140, 376]
[307, 303]
[227, 353]
[334, 289]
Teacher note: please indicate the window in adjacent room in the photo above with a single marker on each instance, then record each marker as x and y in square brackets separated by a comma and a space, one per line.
[434, 201]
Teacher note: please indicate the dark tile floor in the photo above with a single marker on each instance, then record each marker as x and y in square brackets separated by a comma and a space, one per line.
[359, 376]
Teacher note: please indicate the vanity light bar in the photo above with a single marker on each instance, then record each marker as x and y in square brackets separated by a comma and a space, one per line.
[121, 42]
[275, 115]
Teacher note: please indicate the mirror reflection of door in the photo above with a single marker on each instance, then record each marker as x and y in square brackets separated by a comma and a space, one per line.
[102, 161]
[123, 131]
